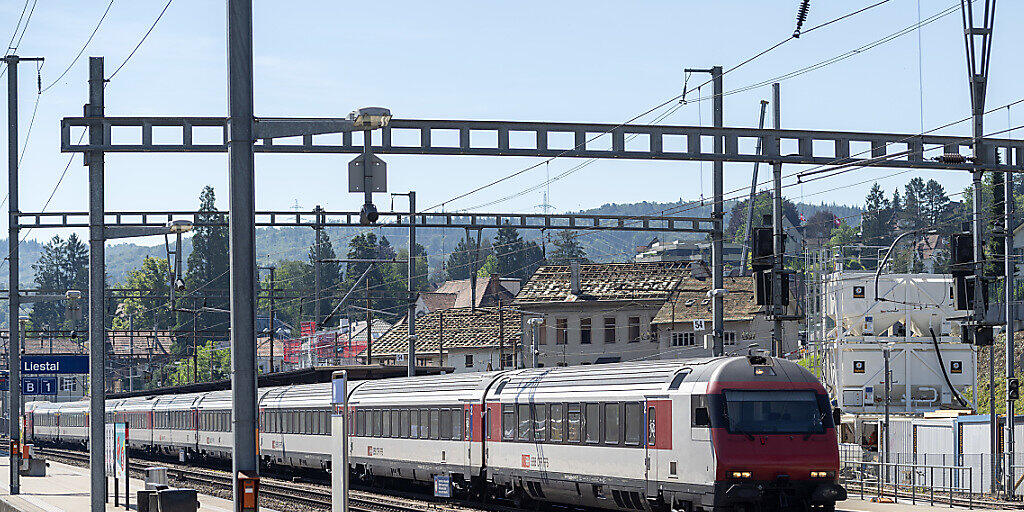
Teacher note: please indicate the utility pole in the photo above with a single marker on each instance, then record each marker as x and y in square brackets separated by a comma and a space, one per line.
[718, 214]
[273, 290]
[131, 351]
[13, 292]
[1009, 355]
[97, 274]
[411, 312]
[195, 343]
[241, 227]
[978, 59]
[888, 389]
[369, 324]
[777, 261]
[440, 337]
[753, 194]
[317, 272]
[501, 337]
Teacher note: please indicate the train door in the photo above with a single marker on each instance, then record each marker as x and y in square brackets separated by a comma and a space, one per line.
[650, 440]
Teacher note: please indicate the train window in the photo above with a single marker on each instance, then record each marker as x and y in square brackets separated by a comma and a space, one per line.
[386, 432]
[435, 423]
[446, 423]
[377, 423]
[540, 422]
[361, 422]
[575, 423]
[414, 424]
[368, 424]
[404, 414]
[633, 423]
[592, 423]
[525, 423]
[424, 423]
[652, 430]
[396, 423]
[611, 423]
[508, 422]
[699, 411]
[457, 419]
[678, 379]
[557, 422]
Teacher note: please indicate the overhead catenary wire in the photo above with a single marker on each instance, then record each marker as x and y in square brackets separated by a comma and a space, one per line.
[82, 49]
[137, 46]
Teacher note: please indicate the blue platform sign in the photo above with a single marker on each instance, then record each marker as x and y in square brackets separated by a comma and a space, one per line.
[443, 486]
[54, 364]
[5, 381]
[30, 386]
[47, 385]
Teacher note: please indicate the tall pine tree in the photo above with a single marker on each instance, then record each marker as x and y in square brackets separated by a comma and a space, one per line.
[63, 266]
[207, 280]
[567, 248]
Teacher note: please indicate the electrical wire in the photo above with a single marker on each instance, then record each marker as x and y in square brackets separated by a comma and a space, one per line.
[144, 36]
[82, 49]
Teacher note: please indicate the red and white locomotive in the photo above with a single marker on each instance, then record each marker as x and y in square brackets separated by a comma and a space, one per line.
[710, 434]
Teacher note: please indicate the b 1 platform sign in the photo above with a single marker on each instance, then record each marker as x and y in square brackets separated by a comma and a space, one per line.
[443, 486]
[39, 386]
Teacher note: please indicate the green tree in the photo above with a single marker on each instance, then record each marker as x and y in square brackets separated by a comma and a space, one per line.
[567, 248]
[876, 221]
[64, 265]
[737, 227]
[461, 261]
[214, 364]
[330, 274]
[290, 277]
[147, 305]
[516, 257]
[207, 276]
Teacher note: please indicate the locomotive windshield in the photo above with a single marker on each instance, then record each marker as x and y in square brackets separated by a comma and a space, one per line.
[773, 412]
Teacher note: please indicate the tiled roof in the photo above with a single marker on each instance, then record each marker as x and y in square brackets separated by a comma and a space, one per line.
[604, 281]
[123, 344]
[485, 288]
[434, 301]
[463, 328]
[691, 301]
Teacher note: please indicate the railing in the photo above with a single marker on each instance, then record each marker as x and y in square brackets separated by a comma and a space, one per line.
[916, 482]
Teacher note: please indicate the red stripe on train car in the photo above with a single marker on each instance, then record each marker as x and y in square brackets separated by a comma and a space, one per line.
[662, 424]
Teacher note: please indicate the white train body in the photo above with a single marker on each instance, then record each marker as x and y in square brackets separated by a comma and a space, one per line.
[705, 433]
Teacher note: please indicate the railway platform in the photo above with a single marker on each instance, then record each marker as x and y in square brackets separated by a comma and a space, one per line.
[66, 488]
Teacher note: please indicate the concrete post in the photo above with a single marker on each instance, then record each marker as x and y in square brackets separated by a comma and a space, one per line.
[1010, 359]
[241, 227]
[97, 275]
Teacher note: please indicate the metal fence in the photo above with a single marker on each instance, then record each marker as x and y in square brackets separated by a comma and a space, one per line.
[952, 484]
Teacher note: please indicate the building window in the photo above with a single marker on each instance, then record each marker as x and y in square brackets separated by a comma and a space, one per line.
[585, 332]
[683, 339]
[609, 329]
[634, 328]
[469, 360]
[730, 338]
[506, 361]
[561, 328]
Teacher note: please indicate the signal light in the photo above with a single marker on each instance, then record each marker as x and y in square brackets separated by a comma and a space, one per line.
[741, 474]
[1013, 389]
[764, 249]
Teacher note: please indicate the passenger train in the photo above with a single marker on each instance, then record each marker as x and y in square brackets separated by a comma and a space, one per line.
[699, 434]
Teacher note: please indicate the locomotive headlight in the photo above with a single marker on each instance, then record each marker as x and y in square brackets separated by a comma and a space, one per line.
[822, 474]
[741, 474]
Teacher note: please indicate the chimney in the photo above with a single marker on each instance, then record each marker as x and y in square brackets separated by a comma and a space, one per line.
[574, 279]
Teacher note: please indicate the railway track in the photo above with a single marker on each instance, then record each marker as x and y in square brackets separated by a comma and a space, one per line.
[308, 495]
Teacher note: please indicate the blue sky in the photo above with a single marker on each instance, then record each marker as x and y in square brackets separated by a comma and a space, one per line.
[525, 60]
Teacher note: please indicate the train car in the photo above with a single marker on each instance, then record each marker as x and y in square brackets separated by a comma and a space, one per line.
[295, 426]
[730, 433]
[417, 427]
[174, 424]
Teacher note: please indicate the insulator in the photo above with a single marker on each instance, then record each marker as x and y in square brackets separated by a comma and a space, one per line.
[801, 16]
[951, 158]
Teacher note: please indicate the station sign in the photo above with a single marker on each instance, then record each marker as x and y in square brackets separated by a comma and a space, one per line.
[54, 364]
[5, 381]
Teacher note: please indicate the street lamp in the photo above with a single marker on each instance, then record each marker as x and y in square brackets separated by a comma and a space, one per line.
[370, 118]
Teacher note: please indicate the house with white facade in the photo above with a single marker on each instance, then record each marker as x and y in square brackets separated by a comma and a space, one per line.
[596, 313]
